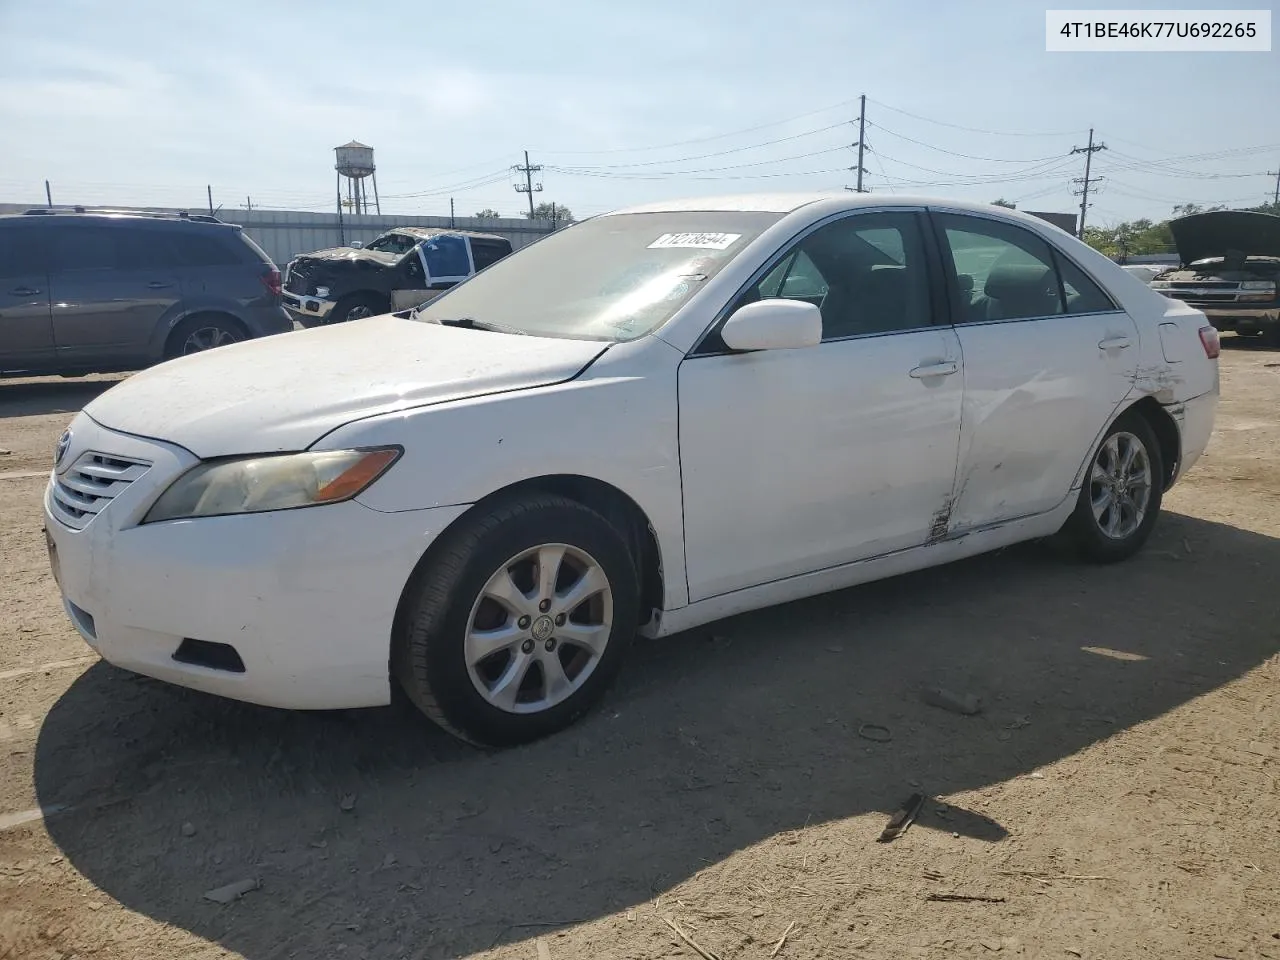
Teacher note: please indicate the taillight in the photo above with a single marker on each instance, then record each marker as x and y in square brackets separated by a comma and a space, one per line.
[271, 280]
[1211, 342]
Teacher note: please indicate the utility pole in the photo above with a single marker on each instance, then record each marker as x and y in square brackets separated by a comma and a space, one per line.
[1270, 173]
[209, 191]
[248, 203]
[1088, 152]
[528, 186]
[862, 136]
[48, 194]
[451, 213]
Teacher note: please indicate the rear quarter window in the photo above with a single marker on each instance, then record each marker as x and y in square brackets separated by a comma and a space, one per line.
[206, 250]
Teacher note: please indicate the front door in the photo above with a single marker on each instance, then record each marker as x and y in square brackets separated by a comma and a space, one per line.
[797, 460]
[26, 330]
[1048, 358]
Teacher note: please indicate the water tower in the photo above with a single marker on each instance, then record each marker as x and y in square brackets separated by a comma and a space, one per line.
[355, 162]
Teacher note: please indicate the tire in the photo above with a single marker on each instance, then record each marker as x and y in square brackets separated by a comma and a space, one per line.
[356, 306]
[200, 333]
[1100, 532]
[499, 698]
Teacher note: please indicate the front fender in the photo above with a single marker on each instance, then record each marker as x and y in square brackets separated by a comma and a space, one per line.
[621, 431]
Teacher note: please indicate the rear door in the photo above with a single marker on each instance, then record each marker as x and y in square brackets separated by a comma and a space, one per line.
[26, 329]
[111, 284]
[1048, 359]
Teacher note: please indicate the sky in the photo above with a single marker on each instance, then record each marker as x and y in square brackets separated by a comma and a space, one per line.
[149, 101]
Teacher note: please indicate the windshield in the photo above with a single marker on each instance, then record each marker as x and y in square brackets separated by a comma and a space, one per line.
[396, 243]
[612, 278]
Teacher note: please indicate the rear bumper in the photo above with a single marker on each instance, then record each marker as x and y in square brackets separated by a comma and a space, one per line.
[1195, 419]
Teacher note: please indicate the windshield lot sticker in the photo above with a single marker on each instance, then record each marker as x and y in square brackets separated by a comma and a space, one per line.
[695, 241]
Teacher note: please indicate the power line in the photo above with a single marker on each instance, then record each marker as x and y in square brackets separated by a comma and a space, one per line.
[953, 153]
[1088, 152]
[607, 171]
[708, 139]
[957, 126]
[718, 153]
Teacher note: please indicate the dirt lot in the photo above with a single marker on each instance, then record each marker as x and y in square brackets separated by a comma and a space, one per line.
[1116, 799]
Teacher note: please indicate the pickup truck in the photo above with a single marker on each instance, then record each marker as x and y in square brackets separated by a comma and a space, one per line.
[403, 268]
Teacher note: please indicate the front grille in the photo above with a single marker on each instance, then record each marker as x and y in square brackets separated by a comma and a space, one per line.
[93, 481]
[1205, 284]
[1203, 296]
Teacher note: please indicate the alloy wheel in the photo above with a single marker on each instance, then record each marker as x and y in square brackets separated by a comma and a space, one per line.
[1120, 485]
[539, 628]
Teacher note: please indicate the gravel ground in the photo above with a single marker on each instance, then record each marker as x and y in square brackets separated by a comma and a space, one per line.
[1116, 798]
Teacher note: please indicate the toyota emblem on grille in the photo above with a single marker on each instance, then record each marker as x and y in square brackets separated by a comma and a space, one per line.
[64, 442]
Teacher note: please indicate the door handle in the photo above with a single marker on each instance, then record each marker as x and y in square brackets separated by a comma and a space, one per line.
[24, 291]
[1114, 343]
[158, 285]
[944, 369]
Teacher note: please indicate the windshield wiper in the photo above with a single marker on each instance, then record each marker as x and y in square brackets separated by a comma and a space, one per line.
[471, 323]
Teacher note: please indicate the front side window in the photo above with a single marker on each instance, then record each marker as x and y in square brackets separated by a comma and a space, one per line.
[21, 253]
[396, 243]
[487, 252]
[867, 273]
[446, 257]
[610, 278]
[1003, 272]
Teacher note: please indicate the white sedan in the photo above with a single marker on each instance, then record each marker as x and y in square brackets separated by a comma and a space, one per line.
[642, 423]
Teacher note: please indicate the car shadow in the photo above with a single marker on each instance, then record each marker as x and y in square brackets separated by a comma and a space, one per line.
[1260, 344]
[372, 830]
[33, 398]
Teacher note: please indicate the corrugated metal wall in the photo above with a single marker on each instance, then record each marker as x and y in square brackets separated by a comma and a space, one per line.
[284, 234]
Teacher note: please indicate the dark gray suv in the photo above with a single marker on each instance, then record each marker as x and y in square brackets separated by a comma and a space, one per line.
[96, 292]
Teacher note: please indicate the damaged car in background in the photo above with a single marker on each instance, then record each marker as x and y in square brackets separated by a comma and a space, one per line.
[403, 268]
[1230, 270]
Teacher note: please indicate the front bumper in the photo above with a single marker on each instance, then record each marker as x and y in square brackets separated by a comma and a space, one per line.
[305, 597]
[307, 308]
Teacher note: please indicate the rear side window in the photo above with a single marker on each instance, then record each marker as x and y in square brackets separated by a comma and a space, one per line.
[84, 248]
[21, 253]
[488, 252]
[1083, 295]
[258, 252]
[143, 249]
[203, 250]
[446, 257]
[1003, 272]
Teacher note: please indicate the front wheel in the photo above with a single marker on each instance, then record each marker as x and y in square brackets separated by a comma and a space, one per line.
[1120, 499]
[520, 623]
[356, 307]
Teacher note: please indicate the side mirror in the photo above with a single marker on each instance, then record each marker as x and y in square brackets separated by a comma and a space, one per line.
[773, 324]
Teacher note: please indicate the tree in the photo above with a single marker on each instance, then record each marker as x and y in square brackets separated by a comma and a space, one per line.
[553, 211]
[1004, 203]
[488, 213]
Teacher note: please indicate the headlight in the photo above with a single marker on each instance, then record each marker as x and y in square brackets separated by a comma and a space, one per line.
[279, 482]
[1262, 286]
[1160, 285]
[322, 291]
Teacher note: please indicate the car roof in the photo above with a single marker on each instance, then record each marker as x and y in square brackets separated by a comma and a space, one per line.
[162, 221]
[426, 233]
[832, 199]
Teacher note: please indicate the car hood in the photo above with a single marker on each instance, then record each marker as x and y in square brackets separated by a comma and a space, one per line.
[352, 254]
[1214, 234]
[287, 391]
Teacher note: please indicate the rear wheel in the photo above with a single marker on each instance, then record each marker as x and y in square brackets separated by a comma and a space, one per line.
[520, 623]
[1120, 499]
[198, 334]
[356, 306]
